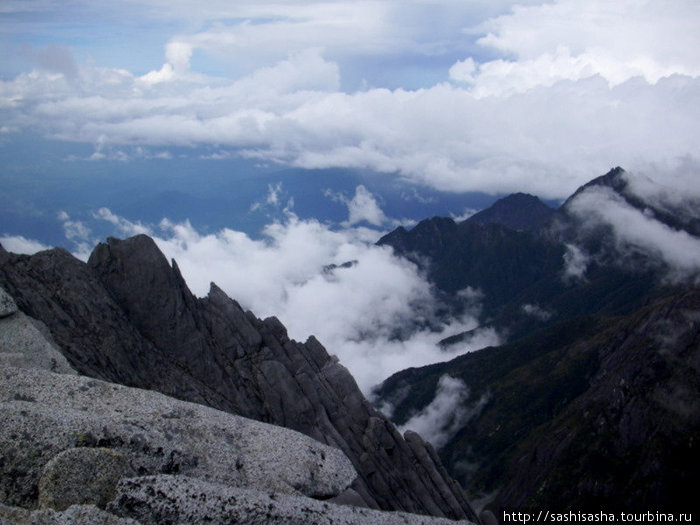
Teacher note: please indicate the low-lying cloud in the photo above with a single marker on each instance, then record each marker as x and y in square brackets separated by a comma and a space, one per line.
[20, 244]
[636, 230]
[602, 86]
[377, 314]
[446, 414]
[374, 310]
[576, 262]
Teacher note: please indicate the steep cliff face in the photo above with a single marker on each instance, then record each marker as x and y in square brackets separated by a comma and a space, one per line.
[127, 316]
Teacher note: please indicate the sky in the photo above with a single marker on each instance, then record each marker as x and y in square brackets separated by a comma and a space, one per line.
[448, 96]
[459, 95]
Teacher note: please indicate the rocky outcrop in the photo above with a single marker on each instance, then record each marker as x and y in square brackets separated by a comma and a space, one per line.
[26, 342]
[44, 415]
[153, 500]
[81, 476]
[128, 317]
[76, 450]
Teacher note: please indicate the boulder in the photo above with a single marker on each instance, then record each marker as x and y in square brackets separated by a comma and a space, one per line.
[43, 414]
[182, 500]
[81, 476]
[7, 304]
[26, 343]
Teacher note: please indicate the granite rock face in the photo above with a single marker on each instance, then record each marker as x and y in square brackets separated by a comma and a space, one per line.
[153, 500]
[26, 342]
[128, 317]
[85, 451]
[81, 476]
[44, 416]
[74, 515]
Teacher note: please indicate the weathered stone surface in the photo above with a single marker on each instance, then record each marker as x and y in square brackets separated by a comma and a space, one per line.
[42, 414]
[7, 304]
[79, 476]
[181, 500]
[128, 317]
[75, 515]
[23, 343]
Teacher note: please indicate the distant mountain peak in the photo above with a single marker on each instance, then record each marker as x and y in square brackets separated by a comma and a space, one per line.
[518, 211]
[616, 179]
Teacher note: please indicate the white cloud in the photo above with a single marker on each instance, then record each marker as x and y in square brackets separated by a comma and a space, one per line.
[680, 192]
[536, 311]
[545, 141]
[122, 226]
[641, 231]
[463, 71]
[576, 263]
[20, 244]
[78, 233]
[468, 212]
[570, 40]
[362, 207]
[164, 74]
[446, 414]
[599, 85]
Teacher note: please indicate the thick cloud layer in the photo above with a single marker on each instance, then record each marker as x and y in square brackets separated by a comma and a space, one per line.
[547, 95]
[571, 40]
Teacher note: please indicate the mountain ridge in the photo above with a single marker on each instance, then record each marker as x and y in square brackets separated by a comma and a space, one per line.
[517, 211]
[575, 328]
[529, 278]
[76, 450]
[587, 404]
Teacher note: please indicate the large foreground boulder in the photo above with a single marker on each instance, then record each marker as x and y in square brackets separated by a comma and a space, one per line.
[43, 414]
[153, 500]
[26, 342]
[75, 515]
